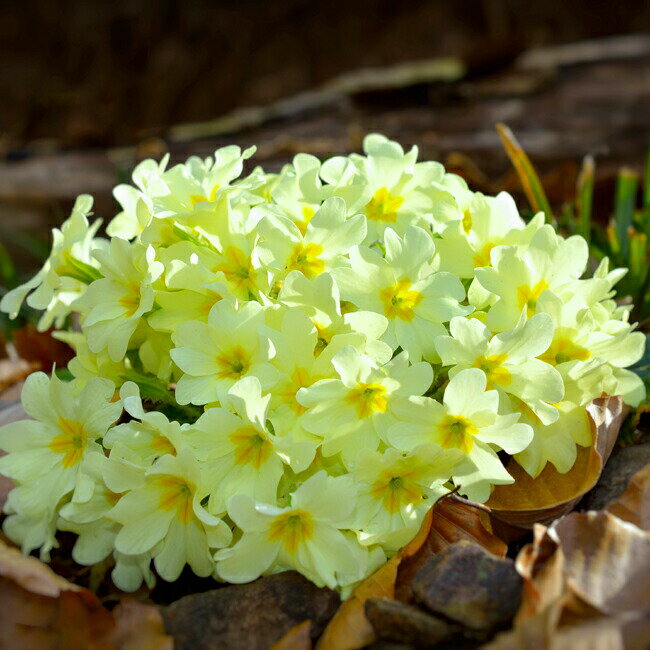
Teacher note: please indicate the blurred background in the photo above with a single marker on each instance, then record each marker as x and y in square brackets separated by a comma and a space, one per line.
[87, 88]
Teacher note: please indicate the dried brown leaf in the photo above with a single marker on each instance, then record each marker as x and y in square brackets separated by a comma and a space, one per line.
[549, 496]
[297, 638]
[140, 627]
[41, 610]
[634, 504]
[41, 348]
[13, 371]
[586, 585]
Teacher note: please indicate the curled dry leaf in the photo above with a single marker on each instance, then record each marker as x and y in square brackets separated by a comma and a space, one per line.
[297, 638]
[41, 610]
[41, 348]
[139, 627]
[13, 371]
[586, 578]
[451, 519]
[634, 504]
[549, 496]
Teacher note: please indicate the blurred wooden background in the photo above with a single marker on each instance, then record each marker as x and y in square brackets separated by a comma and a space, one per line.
[88, 88]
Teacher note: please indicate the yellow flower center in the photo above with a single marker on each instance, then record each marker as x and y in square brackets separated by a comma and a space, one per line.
[175, 494]
[396, 490]
[383, 206]
[324, 338]
[400, 300]
[237, 267]
[456, 432]
[71, 442]
[292, 528]
[483, 257]
[162, 445]
[528, 297]
[368, 399]
[200, 198]
[300, 378]
[467, 221]
[493, 368]
[563, 349]
[233, 364]
[305, 258]
[131, 299]
[307, 215]
[251, 447]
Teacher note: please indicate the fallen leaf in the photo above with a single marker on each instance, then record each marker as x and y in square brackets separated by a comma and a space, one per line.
[41, 348]
[249, 616]
[586, 581]
[41, 610]
[13, 371]
[140, 627]
[350, 629]
[451, 519]
[549, 496]
[634, 504]
[297, 638]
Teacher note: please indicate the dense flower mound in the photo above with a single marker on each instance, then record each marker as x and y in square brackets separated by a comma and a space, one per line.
[285, 370]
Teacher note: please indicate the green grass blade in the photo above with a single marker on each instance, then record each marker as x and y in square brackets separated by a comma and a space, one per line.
[527, 175]
[625, 202]
[585, 198]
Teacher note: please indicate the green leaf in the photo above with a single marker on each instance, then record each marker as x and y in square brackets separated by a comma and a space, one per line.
[625, 202]
[527, 175]
[585, 197]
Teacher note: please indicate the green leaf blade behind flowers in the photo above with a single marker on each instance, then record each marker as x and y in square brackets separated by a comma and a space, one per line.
[528, 500]
[527, 175]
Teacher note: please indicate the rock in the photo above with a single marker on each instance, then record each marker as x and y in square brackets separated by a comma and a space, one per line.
[621, 466]
[470, 586]
[251, 616]
[396, 621]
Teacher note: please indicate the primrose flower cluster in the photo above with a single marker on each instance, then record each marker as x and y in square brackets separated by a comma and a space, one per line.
[284, 371]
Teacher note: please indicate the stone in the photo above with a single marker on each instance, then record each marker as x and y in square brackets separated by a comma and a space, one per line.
[469, 586]
[402, 623]
[251, 616]
[621, 466]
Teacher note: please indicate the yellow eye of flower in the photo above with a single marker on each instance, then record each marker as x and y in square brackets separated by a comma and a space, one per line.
[399, 300]
[199, 198]
[467, 220]
[251, 448]
[163, 445]
[176, 494]
[383, 206]
[237, 267]
[307, 215]
[563, 349]
[457, 432]
[305, 258]
[71, 442]
[131, 300]
[394, 491]
[300, 378]
[368, 399]
[492, 366]
[292, 528]
[527, 296]
[483, 258]
[233, 364]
